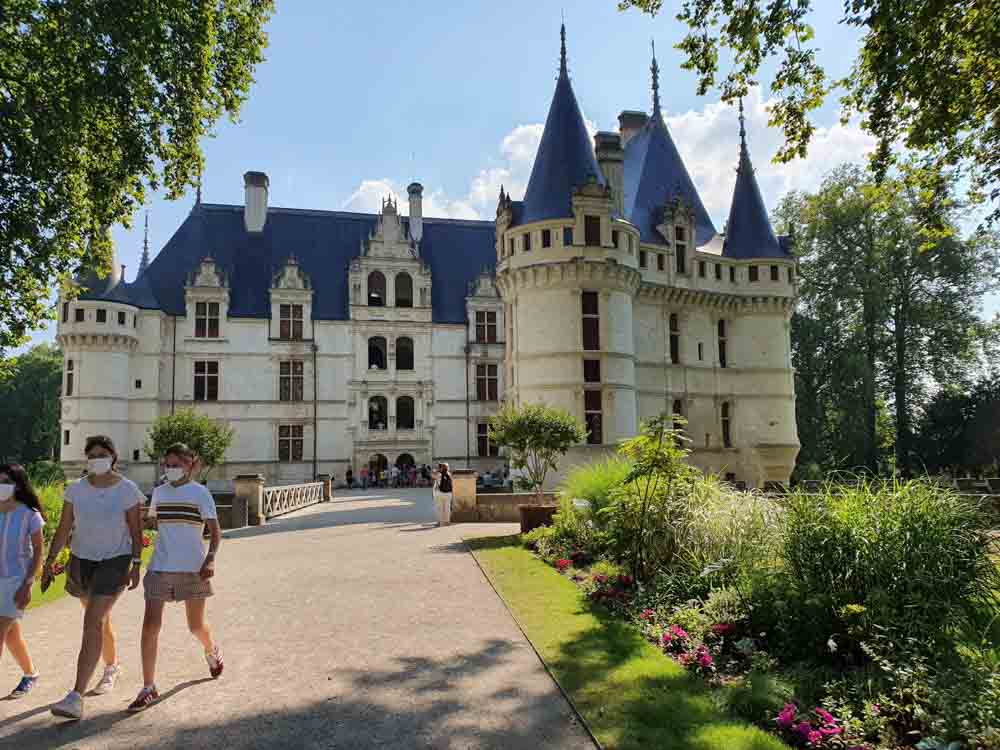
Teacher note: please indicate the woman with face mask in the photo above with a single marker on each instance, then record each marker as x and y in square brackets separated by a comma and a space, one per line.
[104, 513]
[181, 570]
[21, 523]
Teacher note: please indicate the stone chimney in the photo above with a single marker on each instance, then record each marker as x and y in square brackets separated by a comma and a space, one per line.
[416, 193]
[631, 122]
[255, 206]
[611, 159]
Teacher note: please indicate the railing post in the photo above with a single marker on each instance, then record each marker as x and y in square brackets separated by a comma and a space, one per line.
[250, 488]
[327, 486]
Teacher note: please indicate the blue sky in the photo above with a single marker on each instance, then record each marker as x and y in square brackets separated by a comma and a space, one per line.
[357, 99]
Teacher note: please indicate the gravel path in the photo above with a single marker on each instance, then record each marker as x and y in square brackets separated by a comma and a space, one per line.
[355, 624]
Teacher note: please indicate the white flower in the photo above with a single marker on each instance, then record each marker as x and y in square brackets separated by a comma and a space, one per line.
[832, 645]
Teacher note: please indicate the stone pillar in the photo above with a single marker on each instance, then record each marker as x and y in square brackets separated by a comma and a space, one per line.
[327, 486]
[463, 501]
[250, 488]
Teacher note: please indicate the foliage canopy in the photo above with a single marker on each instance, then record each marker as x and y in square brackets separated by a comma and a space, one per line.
[535, 436]
[207, 438]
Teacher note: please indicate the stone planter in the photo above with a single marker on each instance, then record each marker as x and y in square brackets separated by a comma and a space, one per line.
[533, 516]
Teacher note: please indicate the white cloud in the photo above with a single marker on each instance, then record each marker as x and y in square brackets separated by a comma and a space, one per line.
[708, 140]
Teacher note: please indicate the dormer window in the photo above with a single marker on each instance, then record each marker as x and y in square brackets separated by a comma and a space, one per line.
[680, 246]
[661, 262]
[567, 236]
[754, 273]
[775, 274]
[718, 272]
[290, 326]
[546, 238]
[102, 315]
[78, 314]
[592, 231]
[732, 274]
[527, 242]
[404, 290]
[376, 289]
[642, 259]
[702, 266]
[206, 320]
[121, 317]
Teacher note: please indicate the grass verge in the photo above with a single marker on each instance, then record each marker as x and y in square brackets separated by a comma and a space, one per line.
[627, 691]
[58, 587]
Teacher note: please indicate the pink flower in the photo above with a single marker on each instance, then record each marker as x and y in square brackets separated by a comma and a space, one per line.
[804, 729]
[723, 628]
[648, 615]
[563, 564]
[830, 731]
[704, 657]
[787, 716]
[814, 738]
[875, 708]
[826, 716]
[678, 632]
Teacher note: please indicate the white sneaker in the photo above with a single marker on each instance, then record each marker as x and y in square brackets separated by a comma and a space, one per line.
[70, 707]
[108, 680]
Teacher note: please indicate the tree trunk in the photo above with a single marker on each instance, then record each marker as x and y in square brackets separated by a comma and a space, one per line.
[870, 335]
[901, 386]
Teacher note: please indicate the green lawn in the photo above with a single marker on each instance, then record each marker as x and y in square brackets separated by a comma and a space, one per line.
[58, 587]
[630, 694]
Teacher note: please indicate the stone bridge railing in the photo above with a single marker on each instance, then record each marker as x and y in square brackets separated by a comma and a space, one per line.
[263, 502]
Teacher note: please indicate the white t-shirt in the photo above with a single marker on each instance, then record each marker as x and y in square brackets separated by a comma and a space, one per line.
[101, 531]
[181, 513]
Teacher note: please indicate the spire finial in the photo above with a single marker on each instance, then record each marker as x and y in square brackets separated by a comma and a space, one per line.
[562, 51]
[743, 130]
[655, 70]
[197, 195]
[144, 261]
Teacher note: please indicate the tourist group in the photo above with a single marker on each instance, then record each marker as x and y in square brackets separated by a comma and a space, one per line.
[103, 518]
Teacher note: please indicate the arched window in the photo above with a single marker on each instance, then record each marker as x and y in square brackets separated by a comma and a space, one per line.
[376, 353]
[378, 413]
[376, 289]
[404, 413]
[727, 434]
[404, 290]
[404, 353]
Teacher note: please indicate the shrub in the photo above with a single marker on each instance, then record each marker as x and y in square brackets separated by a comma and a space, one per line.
[594, 483]
[45, 472]
[757, 698]
[907, 560]
[725, 605]
[206, 437]
[535, 436]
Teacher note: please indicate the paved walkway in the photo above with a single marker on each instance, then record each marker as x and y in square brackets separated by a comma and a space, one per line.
[350, 625]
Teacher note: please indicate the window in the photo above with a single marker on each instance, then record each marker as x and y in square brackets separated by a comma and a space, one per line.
[485, 446]
[642, 259]
[631, 244]
[546, 238]
[510, 246]
[206, 320]
[661, 262]
[377, 353]
[680, 243]
[526, 243]
[65, 314]
[135, 455]
[378, 413]
[791, 275]
[291, 321]
[404, 413]
[486, 383]
[591, 322]
[121, 318]
[290, 441]
[78, 312]
[675, 340]
[722, 343]
[138, 385]
[727, 437]
[102, 315]
[677, 410]
[775, 274]
[290, 381]
[206, 381]
[592, 230]
[135, 321]
[69, 377]
[614, 237]
[376, 289]
[65, 437]
[701, 351]
[486, 327]
[753, 273]
[701, 268]
[404, 290]
[591, 371]
[718, 272]
[592, 417]
[568, 236]
[732, 274]
[404, 353]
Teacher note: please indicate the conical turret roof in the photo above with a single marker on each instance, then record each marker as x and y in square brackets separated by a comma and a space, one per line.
[565, 157]
[655, 174]
[749, 233]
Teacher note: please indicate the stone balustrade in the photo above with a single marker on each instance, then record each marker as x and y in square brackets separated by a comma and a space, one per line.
[263, 502]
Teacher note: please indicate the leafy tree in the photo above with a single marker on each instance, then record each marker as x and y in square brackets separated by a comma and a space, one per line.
[960, 428]
[536, 436]
[889, 296]
[29, 405]
[924, 78]
[207, 438]
[98, 101]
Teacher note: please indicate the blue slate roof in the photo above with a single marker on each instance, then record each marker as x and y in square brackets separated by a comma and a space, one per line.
[654, 173]
[565, 157]
[748, 232]
[323, 243]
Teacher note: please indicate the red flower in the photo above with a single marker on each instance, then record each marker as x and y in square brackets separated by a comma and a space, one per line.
[723, 628]
[625, 580]
[563, 564]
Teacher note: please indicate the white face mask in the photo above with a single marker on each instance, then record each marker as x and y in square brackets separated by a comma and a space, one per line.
[7, 491]
[175, 473]
[98, 465]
